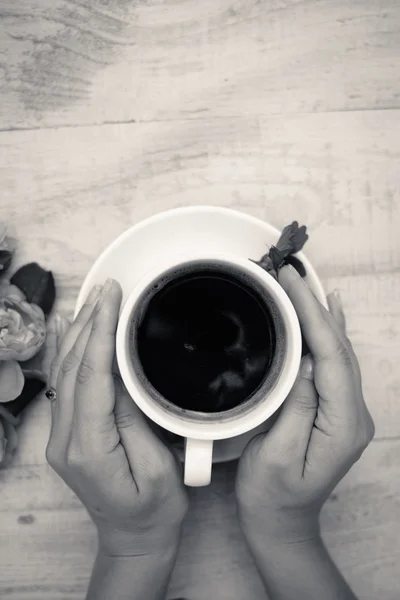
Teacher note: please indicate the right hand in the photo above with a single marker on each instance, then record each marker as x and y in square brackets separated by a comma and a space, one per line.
[285, 476]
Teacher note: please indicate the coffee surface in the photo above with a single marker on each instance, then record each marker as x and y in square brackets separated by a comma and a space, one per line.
[206, 341]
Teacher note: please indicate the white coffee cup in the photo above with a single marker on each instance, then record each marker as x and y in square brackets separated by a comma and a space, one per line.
[197, 428]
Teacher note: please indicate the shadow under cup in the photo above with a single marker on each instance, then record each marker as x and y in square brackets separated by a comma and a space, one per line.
[273, 325]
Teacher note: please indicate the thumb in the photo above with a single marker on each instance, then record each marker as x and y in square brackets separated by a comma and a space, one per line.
[291, 433]
[140, 442]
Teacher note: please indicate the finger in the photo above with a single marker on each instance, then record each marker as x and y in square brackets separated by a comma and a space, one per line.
[50, 351]
[63, 324]
[322, 339]
[336, 309]
[94, 404]
[336, 318]
[333, 363]
[51, 345]
[72, 333]
[290, 434]
[63, 407]
[56, 328]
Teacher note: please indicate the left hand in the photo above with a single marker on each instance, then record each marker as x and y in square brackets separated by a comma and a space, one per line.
[101, 445]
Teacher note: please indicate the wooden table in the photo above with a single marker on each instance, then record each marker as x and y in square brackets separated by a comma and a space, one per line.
[112, 110]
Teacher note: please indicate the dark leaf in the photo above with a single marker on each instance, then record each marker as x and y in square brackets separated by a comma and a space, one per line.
[37, 285]
[297, 264]
[5, 261]
[32, 387]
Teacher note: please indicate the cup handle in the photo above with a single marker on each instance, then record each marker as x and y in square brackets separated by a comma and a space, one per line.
[198, 462]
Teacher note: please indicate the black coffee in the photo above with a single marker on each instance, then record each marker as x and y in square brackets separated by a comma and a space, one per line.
[206, 340]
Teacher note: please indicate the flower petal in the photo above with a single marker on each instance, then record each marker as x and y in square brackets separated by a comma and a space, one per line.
[9, 290]
[11, 380]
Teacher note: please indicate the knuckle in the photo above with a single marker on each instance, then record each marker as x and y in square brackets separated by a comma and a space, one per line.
[55, 363]
[304, 406]
[124, 420]
[371, 429]
[86, 372]
[158, 471]
[362, 441]
[344, 354]
[347, 341]
[70, 362]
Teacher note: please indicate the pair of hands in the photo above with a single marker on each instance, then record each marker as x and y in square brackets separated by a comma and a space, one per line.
[131, 482]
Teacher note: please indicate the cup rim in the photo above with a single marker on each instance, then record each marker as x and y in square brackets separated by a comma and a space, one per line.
[238, 424]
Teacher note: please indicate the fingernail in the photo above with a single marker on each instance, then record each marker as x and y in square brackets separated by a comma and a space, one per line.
[107, 285]
[297, 275]
[307, 367]
[292, 269]
[94, 294]
[106, 288]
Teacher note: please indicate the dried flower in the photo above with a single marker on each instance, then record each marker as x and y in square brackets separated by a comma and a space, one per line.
[292, 240]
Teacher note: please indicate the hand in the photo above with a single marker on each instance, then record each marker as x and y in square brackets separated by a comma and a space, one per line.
[101, 445]
[285, 476]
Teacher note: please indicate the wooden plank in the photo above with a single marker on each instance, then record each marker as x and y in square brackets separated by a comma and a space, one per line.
[48, 546]
[84, 62]
[337, 173]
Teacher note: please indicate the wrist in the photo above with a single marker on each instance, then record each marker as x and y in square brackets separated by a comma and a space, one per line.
[130, 545]
[299, 568]
[134, 577]
[280, 527]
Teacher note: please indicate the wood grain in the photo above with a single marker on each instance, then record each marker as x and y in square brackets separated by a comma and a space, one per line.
[337, 173]
[112, 111]
[90, 62]
[54, 540]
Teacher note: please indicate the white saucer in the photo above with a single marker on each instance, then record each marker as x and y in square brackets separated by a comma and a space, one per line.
[141, 247]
